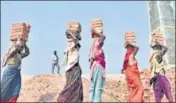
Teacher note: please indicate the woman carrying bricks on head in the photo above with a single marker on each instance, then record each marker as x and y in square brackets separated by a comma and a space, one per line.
[160, 83]
[97, 66]
[11, 79]
[73, 91]
[132, 75]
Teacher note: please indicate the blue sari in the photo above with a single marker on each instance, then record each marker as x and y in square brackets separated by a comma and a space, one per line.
[97, 85]
[11, 84]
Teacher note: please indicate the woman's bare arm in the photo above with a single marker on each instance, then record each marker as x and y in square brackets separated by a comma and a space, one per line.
[136, 50]
[164, 50]
[102, 38]
[26, 53]
[13, 51]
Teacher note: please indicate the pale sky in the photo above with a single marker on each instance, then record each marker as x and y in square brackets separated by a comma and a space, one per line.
[48, 25]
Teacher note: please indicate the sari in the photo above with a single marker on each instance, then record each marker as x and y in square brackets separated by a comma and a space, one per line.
[160, 82]
[73, 90]
[11, 79]
[97, 72]
[11, 84]
[132, 75]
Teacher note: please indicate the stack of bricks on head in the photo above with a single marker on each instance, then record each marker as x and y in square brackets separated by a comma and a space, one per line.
[130, 37]
[74, 25]
[158, 37]
[97, 25]
[20, 31]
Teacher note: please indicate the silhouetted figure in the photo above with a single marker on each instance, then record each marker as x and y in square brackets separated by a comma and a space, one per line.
[55, 62]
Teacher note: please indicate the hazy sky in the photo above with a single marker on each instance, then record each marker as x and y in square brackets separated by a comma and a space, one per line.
[48, 24]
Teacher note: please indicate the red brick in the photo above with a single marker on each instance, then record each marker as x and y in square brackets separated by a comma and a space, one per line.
[130, 37]
[22, 35]
[18, 25]
[20, 30]
[74, 25]
[97, 25]
[96, 20]
[130, 33]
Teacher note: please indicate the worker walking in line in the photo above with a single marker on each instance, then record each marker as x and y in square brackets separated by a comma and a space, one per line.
[55, 63]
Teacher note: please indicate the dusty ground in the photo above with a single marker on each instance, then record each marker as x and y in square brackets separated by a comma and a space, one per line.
[45, 88]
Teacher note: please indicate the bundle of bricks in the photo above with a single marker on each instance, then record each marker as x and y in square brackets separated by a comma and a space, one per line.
[20, 31]
[97, 25]
[157, 37]
[130, 37]
[74, 25]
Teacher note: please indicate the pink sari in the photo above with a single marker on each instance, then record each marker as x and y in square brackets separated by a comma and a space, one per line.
[97, 54]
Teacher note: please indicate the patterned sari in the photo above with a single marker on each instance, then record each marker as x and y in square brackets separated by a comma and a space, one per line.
[73, 90]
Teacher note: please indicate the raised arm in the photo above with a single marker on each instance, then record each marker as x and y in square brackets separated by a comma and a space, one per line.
[102, 38]
[164, 50]
[26, 53]
[10, 53]
[13, 52]
[136, 50]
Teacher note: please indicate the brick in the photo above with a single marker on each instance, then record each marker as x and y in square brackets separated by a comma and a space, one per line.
[158, 37]
[96, 20]
[131, 41]
[130, 38]
[19, 30]
[74, 25]
[18, 25]
[160, 42]
[21, 35]
[130, 33]
[97, 25]
[157, 33]
[73, 22]
[72, 28]
[21, 26]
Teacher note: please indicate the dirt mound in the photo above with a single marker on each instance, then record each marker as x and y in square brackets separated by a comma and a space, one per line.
[45, 88]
